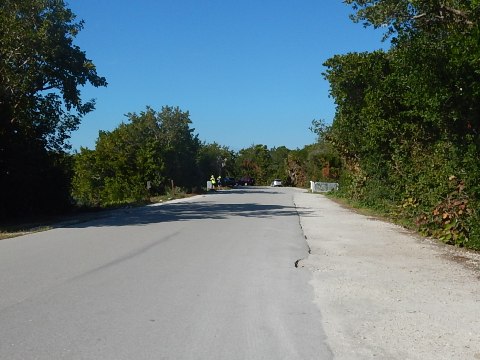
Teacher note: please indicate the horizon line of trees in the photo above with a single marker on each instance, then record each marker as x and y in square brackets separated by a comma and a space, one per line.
[154, 151]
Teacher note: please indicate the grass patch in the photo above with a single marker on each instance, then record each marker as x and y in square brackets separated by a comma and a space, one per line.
[380, 214]
[21, 227]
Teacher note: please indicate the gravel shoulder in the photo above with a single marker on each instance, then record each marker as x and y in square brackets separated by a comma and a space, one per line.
[386, 293]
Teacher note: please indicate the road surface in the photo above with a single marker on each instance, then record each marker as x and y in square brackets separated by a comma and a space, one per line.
[214, 277]
[211, 277]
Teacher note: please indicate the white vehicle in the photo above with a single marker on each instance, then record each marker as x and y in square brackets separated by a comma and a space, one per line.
[276, 182]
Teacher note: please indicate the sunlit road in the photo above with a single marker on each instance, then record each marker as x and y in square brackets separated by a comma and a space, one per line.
[208, 278]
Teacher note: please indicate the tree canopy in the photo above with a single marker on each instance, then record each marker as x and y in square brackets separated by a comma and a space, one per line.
[41, 71]
[406, 16]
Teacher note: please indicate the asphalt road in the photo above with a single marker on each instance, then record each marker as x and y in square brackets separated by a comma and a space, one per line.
[212, 277]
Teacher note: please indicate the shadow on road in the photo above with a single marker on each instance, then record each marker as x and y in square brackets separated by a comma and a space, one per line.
[184, 211]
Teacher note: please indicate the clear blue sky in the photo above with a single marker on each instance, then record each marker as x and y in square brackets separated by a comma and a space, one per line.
[248, 71]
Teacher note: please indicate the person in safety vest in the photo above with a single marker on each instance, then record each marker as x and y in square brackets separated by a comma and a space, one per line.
[212, 179]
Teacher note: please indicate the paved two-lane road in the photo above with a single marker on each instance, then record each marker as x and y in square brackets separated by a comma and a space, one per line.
[212, 277]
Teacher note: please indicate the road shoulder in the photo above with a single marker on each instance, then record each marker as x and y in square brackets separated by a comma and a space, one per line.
[386, 293]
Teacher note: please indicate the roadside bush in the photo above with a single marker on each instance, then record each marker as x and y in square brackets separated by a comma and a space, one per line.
[449, 220]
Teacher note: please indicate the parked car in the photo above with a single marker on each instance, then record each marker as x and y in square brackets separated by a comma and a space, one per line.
[247, 181]
[229, 181]
[277, 182]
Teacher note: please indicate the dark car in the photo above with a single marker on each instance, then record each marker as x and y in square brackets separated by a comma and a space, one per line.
[229, 181]
[247, 181]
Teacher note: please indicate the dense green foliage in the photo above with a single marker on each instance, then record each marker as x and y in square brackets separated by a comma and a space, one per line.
[408, 120]
[154, 151]
[139, 159]
[40, 104]
[216, 160]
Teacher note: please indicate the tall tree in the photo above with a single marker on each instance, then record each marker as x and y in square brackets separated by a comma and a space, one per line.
[180, 145]
[278, 164]
[41, 72]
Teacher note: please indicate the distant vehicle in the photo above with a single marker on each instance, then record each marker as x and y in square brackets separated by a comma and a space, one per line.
[247, 181]
[229, 181]
[277, 182]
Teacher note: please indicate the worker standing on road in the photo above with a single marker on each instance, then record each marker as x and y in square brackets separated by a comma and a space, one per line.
[212, 179]
[219, 181]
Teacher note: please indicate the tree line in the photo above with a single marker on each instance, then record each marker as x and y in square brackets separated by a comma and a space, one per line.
[155, 152]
